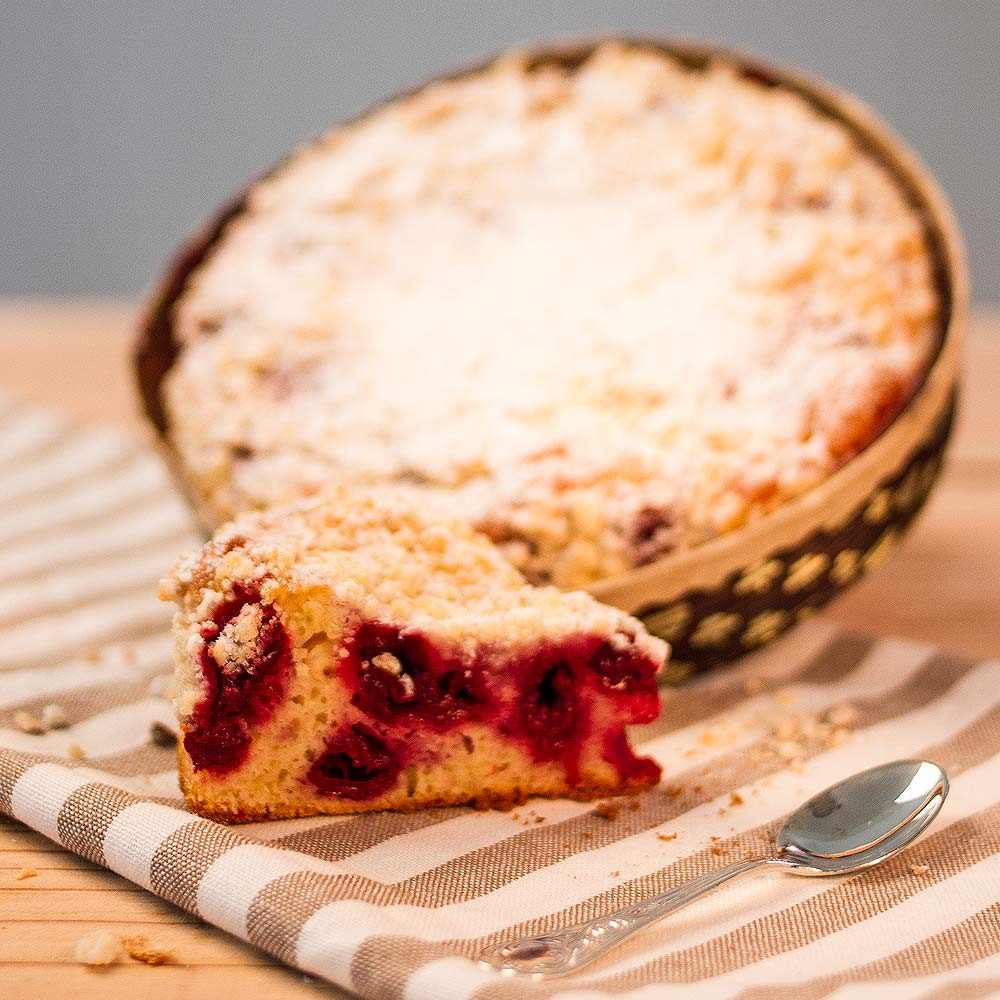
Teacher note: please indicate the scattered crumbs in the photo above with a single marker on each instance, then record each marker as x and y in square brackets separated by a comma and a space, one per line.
[735, 799]
[719, 852]
[27, 723]
[843, 716]
[722, 811]
[751, 855]
[837, 737]
[76, 752]
[54, 717]
[919, 869]
[786, 696]
[607, 810]
[97, 948]
[139, 948]
[785, 728]
[25, 873]
[539, 819]
[666, 836]
[515, 816]
[713, 839]
[162, 736]
[615, 874]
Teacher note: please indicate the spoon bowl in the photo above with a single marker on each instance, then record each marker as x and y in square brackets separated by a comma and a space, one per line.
[863, 820]
[852, 825]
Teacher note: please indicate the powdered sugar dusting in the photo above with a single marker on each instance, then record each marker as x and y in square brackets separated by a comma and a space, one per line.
[599, 314]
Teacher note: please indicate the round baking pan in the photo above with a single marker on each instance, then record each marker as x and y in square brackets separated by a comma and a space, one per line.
[723, 598]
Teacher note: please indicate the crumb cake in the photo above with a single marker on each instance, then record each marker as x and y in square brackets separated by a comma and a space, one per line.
[600, 312]
[349, 654]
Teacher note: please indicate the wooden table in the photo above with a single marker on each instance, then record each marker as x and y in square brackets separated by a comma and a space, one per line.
[941, 586]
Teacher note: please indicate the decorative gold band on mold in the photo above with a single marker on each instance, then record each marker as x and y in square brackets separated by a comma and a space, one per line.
[757, 602]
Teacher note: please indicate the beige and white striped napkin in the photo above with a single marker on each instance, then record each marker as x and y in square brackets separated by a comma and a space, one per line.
[397, 906]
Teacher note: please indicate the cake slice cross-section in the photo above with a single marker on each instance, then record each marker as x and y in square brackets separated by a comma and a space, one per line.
[353, 654]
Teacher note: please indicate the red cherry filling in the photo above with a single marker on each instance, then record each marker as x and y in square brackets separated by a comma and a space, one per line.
[557, 687]
[356, 764]
[551, 712]
[401, 677]
[219, 746]
[245, 692]
[628, 673]
[631, 768]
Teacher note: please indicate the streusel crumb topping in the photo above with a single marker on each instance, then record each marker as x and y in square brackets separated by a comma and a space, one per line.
[375, 552]
[600, 314]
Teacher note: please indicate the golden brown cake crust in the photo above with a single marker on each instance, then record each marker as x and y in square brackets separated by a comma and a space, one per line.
[208, 808]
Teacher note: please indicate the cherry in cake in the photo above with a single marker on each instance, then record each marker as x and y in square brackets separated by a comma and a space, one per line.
[351, 654]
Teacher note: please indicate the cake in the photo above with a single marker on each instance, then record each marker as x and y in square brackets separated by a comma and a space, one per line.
[600, 312]
[351, 654]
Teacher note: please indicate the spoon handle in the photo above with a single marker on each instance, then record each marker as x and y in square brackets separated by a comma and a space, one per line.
[565, 951]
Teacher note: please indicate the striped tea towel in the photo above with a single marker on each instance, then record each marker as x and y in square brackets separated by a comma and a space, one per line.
[392, 905]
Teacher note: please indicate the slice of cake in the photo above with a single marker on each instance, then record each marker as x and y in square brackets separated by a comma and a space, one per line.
[351, 655]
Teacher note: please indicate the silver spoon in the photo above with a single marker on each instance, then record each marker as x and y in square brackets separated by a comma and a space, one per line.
[853, 825]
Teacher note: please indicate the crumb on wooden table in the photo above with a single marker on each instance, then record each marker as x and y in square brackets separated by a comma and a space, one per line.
[76, 752]
[97, 948]
[138, 947]
[25, 873]
[666, 836]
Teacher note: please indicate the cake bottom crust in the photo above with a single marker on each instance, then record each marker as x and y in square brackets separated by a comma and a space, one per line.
[229, 813]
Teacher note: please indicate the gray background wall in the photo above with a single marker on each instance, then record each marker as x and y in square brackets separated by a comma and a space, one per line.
[123, 123]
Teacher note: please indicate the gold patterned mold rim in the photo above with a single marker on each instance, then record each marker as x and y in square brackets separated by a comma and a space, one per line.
[757, 602]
